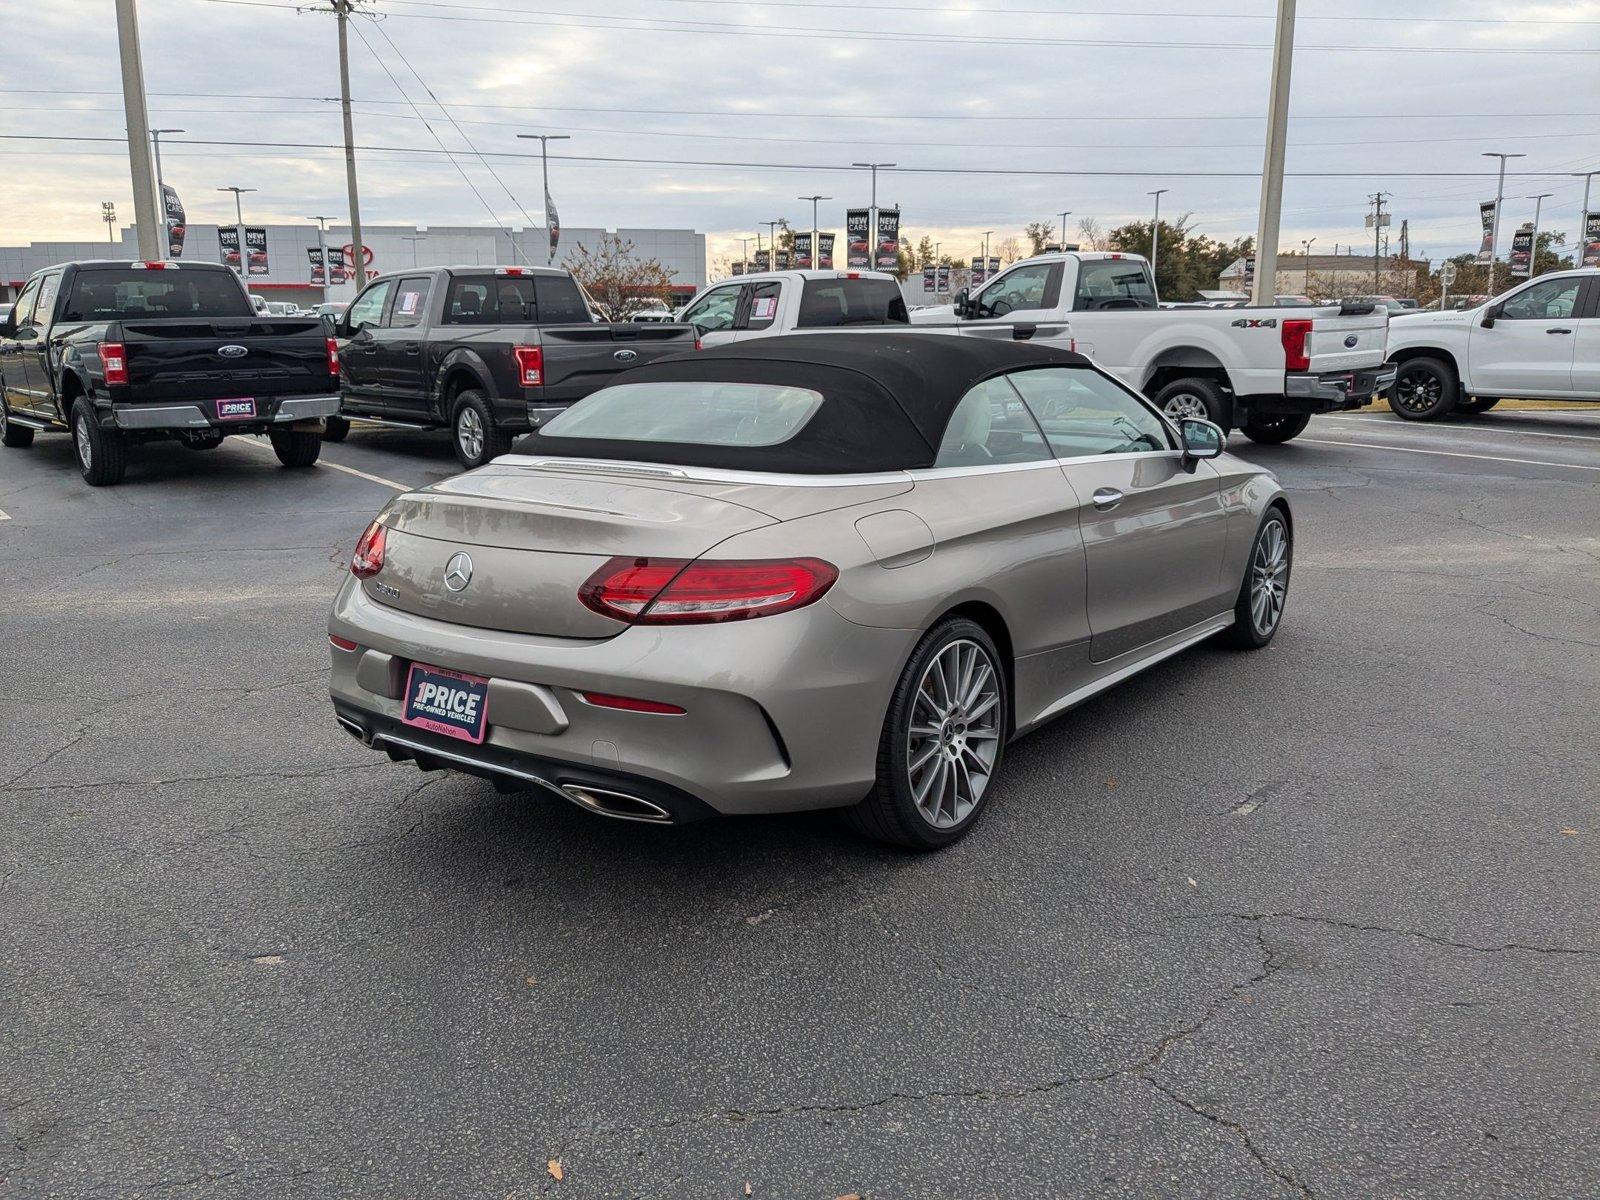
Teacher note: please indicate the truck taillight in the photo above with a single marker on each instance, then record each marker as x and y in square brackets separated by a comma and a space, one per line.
[368, 558]
[1294, 334]
[333, 357]
[151, 266]
[114, 361]
[530, 365]
[510, 272]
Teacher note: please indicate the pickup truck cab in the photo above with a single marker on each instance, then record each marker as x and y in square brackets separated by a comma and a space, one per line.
[1263, 370]
[1538, 341]
[486, 352]
[119, 353]
[773, 303]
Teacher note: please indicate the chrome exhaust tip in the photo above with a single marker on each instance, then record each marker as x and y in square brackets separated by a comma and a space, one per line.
[353, 729]
[619, 806]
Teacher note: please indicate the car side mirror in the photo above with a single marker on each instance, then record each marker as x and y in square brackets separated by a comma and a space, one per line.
[8, 327]
[1201, 439]
[1491, 315]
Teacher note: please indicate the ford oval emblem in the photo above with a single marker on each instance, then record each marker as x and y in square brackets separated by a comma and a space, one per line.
[625, 355]
[1350, 342]
[233, 351]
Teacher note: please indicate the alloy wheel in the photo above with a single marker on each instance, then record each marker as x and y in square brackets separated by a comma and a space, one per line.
[1185, 405]
[955, 733]
[1269, 577]
[469, 433]
[1418, 391]
[80, 437]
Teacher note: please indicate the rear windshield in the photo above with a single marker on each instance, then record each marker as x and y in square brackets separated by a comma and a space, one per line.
[125, 294]
[831, 303]
[690, 413]
[514, 300]
[1108, 283]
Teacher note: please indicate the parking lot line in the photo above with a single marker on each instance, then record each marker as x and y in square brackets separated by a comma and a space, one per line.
[1397, 423]
[388, 483]
[1528, 462]
[4, 515]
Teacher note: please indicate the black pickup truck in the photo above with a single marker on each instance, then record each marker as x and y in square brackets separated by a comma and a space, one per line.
[118, 353]
[488, 352]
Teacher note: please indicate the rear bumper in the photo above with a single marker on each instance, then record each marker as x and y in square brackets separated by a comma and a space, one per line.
[1338, 390]
[271, 411]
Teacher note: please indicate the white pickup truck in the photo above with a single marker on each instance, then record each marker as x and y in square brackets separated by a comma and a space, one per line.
[1262, 370]
[1540, 341]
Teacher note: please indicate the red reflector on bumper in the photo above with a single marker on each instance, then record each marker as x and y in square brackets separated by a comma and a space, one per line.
[340, 643]
[631, 704]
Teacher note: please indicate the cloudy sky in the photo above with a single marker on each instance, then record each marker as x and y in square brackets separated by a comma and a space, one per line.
[998, 112]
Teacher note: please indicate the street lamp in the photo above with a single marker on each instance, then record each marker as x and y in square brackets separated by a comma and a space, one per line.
[1583, 217]
[552, 222]
[1306, 245]
[744, 252]
[1155, 232]
[238, 212]
[322, 253]
[872, 230]
[986, 234]
[814, 200]
[772, 243]
[1064, 216]
[1499, 195]
[1533, 253]
[161, 184]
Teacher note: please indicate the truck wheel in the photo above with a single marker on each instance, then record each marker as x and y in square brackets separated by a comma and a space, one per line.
[1478, 404]
[478, 437]
[1424, 389]
[1194, 397]
[11, 434]
[1270, 429]
[101, 453]
[296, 447]
[336, 429]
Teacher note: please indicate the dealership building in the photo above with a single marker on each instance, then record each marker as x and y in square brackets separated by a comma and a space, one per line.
[285, 273]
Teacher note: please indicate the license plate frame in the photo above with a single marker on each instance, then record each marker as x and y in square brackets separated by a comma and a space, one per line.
[450, 714]
[236, 408]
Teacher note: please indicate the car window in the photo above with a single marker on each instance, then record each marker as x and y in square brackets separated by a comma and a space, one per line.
[763, 305]
[410, 302]
[46, 304]
[1107, 283]
[475, 301]
[367, 311]
[1022, 289]
[714, 311]
[697, 413]
[1083, 412]
[560, 301]
[1552, 300]
[832, 303]
[128, 293]
[990, 426]
[24, 309]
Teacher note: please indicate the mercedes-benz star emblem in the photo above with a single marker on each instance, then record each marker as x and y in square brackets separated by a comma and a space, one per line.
[458, 571]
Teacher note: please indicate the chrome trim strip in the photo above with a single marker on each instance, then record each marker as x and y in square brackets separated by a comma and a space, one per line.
[303, 408]
[178, 416]
[25, 422]
[1088, 690]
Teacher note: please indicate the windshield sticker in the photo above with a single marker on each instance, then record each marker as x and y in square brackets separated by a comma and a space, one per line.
[764, 308]
[408, 302]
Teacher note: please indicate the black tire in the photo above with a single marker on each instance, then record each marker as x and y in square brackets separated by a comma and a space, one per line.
[490, 441]
[296, 447]
[335, 429]
[1425, 389]
[1179, 398]
[18, 437]
[102, 454]
[890, 812]
[1476, 405]
[1271, 429]
[1246, 632]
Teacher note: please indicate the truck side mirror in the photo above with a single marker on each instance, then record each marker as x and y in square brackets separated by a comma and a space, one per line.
[959, 302]
[1490, 315]
[8, 327]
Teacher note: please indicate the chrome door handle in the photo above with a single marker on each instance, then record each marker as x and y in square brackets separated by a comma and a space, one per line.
[1106, 499]
[1558, 331]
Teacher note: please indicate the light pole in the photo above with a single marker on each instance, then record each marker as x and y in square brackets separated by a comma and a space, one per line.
[1533, 254]
[744, 253]
[1064, 216]
[147, 208]
[161, 184]
[544, 140]
[772, 243]
[1155, 231]
[421, 237]
[322, 253]
[1499, 195]
[986, 234]
[108, 214]
[1306, 245]
[872, 228]
[814, 200]
[1266, 280]
[238, 212]
[1583, 217]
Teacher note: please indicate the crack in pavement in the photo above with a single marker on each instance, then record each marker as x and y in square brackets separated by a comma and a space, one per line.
[1414, 933]
[1487, 611]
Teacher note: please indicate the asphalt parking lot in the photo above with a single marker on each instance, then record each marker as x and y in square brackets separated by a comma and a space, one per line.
[1318, 921]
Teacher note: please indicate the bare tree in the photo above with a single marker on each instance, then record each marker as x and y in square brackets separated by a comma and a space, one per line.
[618, 280]
[1009, 251]
[1090, 235]
[1040, 234]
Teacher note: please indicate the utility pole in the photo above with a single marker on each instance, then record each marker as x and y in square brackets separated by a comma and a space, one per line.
[813, 200]
[322, 253]
[544, 140]
[1377, 199]
[986, 234]
[1583, 217]
[1266, 281]
[1533, 255]
[108, 214]
[1499, 195]
[1064, 216]
[1306, 245]
[744, 253]
[872, 227]
[772, 243]
[148, 211]
[1155, 231]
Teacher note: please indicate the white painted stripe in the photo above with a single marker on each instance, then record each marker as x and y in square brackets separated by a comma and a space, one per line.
[333, 466]
[4, 515]
[1528, 462]
[1505, 431]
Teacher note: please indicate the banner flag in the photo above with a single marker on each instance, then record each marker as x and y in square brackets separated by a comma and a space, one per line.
[977, 272]
[1522, 252]
[176, 225]
[553, 220]
[315, 255]
[336, 265]
[859, 255]
[944, 277]
[825, 251]
[802, 251]
[763, 261]
[888, 253]
[255, 245]
[783, 260]
[1486, 247]
[738, 268]
[1591, 240]
[930, 279]
[228, 238]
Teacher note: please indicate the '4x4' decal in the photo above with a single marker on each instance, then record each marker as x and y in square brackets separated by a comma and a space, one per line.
[1253, 323]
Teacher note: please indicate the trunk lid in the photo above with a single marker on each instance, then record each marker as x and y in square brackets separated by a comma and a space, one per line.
[172, 359]
[1341, 342]
[579, 359]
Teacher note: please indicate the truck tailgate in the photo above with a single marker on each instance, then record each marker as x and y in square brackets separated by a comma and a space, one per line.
[1348, 343]
[579, 359]
[174, 359]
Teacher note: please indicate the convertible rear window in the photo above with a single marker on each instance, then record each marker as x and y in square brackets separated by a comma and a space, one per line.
[128, 294]
[699, 413]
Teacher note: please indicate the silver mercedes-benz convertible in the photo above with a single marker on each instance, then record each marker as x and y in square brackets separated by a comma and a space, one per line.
[840, 570]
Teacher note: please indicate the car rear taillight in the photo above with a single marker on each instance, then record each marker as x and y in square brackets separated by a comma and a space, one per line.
[631, 704]
[1294, 334]
[368, 558]
[673, 591]
[114, 360]
[333, 356]
[530, 365]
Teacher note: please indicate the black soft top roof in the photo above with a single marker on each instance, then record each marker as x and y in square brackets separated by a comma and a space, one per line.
[887, 398]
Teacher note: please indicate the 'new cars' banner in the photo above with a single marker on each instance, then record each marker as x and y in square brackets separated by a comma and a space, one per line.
[336, 268]
[176, 226]
[856, 228]
[315, 255]
[1522, 252]
[255, 245]
[994, 266]
[763, 260]
[825, 251]
[888, 254]
[977, 272]
[944, 277]
[783, 260]
[802, 251]
[1591, 239]
[930, 279]
[228, 238]
[738, 268]
[1486, 247]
